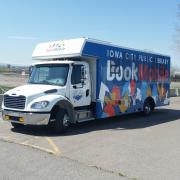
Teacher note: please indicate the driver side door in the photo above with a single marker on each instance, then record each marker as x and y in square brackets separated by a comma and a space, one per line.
[80, 94]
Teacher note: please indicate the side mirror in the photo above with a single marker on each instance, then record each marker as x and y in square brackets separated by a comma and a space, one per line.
[82, 81]
[30, 70]
[83, 75]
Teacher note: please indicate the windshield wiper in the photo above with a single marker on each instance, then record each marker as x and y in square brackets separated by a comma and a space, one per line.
[46, 82]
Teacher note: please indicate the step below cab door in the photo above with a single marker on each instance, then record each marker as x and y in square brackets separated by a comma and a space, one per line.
[80, 90]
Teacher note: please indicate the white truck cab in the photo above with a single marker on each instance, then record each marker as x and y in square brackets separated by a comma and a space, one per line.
[70, 79]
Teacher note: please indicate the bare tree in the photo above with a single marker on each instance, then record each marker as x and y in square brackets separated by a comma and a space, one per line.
[177, 35]
[8, 66]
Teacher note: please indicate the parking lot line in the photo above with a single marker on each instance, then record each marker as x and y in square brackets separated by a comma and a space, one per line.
[54, 146]
[27, 141]
[55, 150]
[37, 147]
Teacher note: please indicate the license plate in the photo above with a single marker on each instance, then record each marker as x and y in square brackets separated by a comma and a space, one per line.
[14, 114]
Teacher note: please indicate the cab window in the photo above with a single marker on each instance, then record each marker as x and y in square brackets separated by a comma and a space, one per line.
[76, 74]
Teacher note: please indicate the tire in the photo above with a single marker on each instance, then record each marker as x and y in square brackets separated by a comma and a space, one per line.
[16, 125]
[152, 108]
[61, 123]
[147, 108]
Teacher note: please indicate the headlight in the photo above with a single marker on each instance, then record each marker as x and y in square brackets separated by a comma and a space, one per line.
[40, 105]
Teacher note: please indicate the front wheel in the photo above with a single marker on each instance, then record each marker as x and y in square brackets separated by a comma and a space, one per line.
[61, 123]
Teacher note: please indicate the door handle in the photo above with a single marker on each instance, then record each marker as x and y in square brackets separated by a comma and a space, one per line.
[87, 92]
[74, 86]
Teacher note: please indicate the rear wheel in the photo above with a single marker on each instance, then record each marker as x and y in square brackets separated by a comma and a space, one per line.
[61, 123]
[147, 108]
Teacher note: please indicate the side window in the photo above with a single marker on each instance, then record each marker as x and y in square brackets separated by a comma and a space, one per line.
[76, 74]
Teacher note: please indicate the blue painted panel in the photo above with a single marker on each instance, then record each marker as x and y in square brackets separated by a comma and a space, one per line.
[125, 78]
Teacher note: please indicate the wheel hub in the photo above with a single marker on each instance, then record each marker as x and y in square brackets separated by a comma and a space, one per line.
[147, 109]
[66, 120]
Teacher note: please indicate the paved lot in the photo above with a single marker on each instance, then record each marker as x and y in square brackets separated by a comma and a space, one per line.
[25, 163]
[132, 146]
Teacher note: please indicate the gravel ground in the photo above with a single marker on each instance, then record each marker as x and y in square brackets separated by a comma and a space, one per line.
[12, 80]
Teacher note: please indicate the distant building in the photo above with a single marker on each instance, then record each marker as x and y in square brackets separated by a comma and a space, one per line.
[23, 73]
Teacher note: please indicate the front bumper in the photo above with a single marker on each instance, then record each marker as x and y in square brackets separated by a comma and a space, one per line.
[26, 118]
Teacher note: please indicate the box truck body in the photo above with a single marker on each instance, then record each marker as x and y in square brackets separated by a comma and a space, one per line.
[87, 79]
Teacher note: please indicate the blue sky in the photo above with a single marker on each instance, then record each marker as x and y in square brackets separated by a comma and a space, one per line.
[139, 24]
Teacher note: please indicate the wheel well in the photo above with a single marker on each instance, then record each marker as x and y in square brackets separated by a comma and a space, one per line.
[151, 101]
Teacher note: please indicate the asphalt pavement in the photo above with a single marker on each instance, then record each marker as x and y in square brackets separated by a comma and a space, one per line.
[20, 162]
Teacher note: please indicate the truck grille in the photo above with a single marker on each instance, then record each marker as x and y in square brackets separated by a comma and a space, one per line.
[17, 102]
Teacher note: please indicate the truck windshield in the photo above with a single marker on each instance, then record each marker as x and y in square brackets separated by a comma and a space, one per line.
[54, 74]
